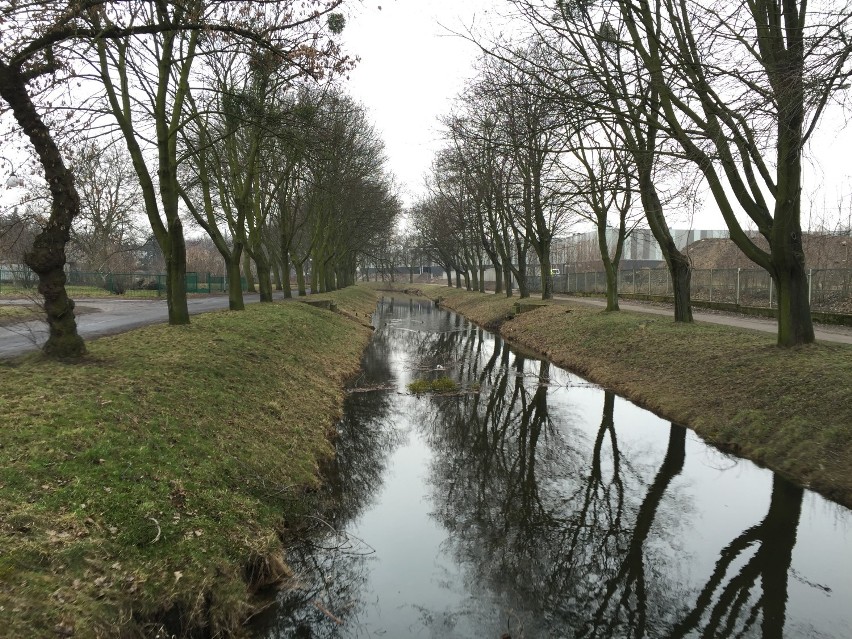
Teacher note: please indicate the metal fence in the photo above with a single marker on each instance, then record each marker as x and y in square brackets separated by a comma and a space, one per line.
[830, 289]
[24, 282]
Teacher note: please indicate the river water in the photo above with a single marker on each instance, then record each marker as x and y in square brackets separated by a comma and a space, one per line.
[534, 504]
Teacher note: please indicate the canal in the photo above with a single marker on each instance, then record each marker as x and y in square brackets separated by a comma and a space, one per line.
[531, 504]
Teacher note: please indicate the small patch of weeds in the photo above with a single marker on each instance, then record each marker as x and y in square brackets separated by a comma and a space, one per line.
[439, 385]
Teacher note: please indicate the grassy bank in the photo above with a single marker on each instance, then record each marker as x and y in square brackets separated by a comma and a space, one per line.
[790, 410]
[153, 483]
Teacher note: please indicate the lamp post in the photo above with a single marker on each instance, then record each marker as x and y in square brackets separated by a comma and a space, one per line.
[845, 245]
[13, 181]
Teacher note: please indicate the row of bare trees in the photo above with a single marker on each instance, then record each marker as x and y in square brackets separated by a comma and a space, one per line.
[610, 110]
[230, 115]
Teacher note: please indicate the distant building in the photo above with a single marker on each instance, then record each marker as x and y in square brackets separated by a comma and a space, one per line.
[640, 247]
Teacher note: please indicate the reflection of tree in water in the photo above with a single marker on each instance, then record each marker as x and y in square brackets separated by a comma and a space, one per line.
[622, 600]
[499, 470]
[572, 547]
[558, 539]
[326, 592]
[331, 567]
[729, 608]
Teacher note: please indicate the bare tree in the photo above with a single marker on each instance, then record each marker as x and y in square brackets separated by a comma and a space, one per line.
[41, 41]
[106, 234]
[742, 87]
[602, 180]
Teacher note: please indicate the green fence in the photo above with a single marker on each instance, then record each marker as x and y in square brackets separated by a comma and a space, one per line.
[22, 281]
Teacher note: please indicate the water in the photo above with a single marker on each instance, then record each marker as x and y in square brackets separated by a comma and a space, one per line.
[534, 504]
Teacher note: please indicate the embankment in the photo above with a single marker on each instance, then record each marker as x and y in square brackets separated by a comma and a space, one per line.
[149, 490]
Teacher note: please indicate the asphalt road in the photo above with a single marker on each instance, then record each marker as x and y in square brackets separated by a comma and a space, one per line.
[106, 317]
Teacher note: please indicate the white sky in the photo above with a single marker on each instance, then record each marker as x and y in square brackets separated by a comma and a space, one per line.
[411, 69]
[409, 72]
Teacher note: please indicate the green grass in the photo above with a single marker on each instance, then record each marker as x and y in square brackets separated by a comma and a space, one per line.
[789, 409]
[18, 313]
[166, 468]
[439, 385]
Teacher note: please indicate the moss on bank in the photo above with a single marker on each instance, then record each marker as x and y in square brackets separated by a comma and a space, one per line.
[154, 482]
[788, 409]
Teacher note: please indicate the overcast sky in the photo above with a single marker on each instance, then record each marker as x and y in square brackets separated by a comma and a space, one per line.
[411, 69]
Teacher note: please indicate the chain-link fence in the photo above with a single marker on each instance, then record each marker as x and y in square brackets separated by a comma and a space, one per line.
[22, 281]
[830, 289]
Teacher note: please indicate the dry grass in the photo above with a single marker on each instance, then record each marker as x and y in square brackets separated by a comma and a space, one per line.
[14, 314]
[145, 484]
[790, 410]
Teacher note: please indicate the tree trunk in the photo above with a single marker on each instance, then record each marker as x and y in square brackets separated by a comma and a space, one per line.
[47, 260]
[680, 271]
[449, 277]
[250, 288]
[264, 279]
[176, 275]
[523, 285]
[546, 273]
[47, 256]
[458, 278]
[276, 274]
[300, 278]
[611, 285]
[507, 278]
[285, 274]
[235, 284]
[329, 283]
[315, 276]
[498, 279]
[795, 325]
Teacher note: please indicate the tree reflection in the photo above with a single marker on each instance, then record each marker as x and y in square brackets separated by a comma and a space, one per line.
[573, 539]
[728, 608]
[623, 606]
[562, 530]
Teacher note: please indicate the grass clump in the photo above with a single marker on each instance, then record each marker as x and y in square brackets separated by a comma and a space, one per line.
[438, 385]
[151, 485]
[14, 313]
[789, 409]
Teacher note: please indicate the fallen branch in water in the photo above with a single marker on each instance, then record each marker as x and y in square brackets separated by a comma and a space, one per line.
[370, 389]
[325, 611]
